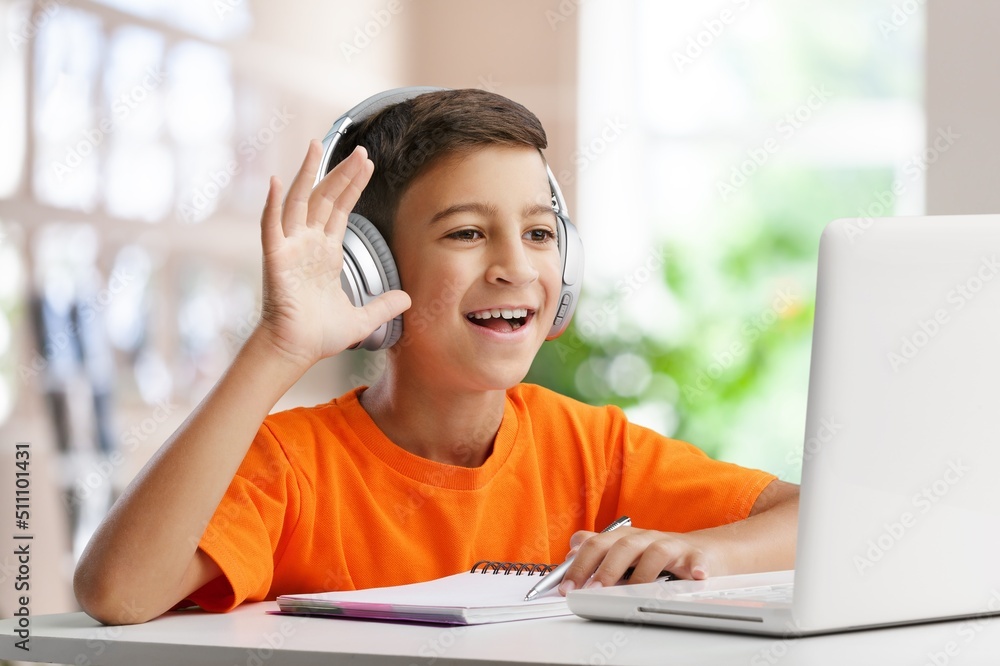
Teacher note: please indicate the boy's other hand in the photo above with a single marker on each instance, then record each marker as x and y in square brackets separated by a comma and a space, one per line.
[763, 541]
[603, 558]
[305, 313]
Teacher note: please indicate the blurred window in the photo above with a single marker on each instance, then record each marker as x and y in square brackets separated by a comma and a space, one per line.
[131, 120]
[134, 79]
[13, 138]
[201, 122]
[11, 310]
[216, 20]
[69, 49]
[137, 116]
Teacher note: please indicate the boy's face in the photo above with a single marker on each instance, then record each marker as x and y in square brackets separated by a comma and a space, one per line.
[475, 234]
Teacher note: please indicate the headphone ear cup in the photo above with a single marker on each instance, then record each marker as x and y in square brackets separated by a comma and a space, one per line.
[571, 257]
[369, 271]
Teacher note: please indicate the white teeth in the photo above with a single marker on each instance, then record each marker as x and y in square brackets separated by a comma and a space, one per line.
[506, 313]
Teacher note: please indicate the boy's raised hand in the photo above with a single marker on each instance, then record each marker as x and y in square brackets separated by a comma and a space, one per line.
[305, 313]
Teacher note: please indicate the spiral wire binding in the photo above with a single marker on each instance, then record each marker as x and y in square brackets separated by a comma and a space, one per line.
[530, 569]
[508, 568]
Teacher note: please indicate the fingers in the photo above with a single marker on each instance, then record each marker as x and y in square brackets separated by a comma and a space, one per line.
[270, 220]
[603, 559]
[388, 305]
[297, 202]
[382, 309]
[333, 185]
[328, 204]
[592, 554]
[674, 555]
[348, 198]
[578, 538]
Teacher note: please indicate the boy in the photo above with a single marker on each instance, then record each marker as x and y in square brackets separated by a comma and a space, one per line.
[446, 459]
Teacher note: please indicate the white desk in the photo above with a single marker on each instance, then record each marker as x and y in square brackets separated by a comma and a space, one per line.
[250, 637]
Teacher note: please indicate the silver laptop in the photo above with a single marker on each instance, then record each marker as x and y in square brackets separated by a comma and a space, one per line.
[899, 517]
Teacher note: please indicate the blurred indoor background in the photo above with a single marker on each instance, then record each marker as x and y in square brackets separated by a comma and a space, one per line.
[701, 146]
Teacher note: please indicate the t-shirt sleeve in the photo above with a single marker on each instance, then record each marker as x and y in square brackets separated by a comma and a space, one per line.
[250, 525]
[673, 486]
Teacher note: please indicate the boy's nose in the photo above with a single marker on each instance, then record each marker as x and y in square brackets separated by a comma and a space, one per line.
[510, 264]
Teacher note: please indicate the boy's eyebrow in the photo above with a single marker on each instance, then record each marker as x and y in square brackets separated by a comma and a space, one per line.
[487, 210]
[538, 209]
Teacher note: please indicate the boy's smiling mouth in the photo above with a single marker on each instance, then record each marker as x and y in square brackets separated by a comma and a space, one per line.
[502, 319]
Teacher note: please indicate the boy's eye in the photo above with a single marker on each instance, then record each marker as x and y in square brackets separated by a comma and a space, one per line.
[466, 235]
[540, 235]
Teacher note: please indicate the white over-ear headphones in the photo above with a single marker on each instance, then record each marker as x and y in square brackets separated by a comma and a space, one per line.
[369, 269]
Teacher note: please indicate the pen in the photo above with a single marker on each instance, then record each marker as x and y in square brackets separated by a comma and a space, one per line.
[555, 577]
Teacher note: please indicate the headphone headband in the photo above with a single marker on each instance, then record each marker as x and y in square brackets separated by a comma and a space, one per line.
[379, 101]
[363, 111]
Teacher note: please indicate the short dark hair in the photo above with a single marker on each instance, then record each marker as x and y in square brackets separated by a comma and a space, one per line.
[406, 138]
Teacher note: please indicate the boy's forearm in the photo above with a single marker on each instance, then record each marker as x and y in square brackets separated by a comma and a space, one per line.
[763, 542]
[139, 554]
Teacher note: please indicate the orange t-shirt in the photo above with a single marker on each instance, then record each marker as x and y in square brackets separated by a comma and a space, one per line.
[325, 501]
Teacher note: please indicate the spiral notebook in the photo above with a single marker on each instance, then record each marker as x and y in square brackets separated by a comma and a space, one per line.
[489, 592]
